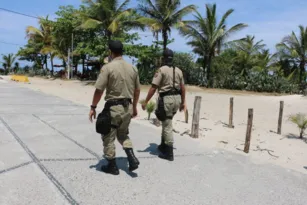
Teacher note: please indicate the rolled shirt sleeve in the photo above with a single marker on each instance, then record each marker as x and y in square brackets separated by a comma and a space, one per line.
[157, 78]
[102, 80]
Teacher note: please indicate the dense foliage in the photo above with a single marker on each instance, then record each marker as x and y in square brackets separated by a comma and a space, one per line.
[79, 37]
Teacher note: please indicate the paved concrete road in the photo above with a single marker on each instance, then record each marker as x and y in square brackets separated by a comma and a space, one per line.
[50, 154]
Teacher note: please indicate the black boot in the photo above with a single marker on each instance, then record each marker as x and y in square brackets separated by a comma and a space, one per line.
[162, 146]
[111, 168]
[133, 161]
[168, 153]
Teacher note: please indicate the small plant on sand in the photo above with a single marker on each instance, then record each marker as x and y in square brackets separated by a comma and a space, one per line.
[151, 106]
[301, 121]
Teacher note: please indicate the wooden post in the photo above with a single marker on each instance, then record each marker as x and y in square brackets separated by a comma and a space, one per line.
[281, 110]
[195, 122]
[231, 113]
[186, 116]
[249, 130]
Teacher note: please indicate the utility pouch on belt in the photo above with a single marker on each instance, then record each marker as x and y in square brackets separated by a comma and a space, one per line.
[160, 111]
[103, 123]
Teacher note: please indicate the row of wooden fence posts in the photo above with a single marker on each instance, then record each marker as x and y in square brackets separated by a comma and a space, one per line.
[250, 116]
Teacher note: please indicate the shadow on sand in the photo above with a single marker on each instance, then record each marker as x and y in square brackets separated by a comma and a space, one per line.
[295, 137]
[121, 162]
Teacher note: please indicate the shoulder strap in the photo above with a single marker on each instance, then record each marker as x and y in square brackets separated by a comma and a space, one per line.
[173, 76]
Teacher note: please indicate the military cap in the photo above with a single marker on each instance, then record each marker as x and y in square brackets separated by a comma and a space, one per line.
[168, 53]
[116, 46]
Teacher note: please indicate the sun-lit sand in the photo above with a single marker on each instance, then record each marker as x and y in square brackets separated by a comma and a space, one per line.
[286, 149]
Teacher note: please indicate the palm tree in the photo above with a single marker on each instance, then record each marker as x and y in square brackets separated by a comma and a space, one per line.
[295, 47]
[267, 61]
[300, 120]
[161, 15]
[43, 34]
[208, 36]
[109, 17]
[8, 61]
[250, 54]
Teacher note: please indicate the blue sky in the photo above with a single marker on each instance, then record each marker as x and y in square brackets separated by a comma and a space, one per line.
[269, 20]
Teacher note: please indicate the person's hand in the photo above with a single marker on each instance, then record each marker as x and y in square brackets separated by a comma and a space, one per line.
[182, 107]
[92, 114]
[144, 105]
[135, 112]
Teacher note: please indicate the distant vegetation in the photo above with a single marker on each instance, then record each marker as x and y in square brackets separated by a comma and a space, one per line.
[216, 62]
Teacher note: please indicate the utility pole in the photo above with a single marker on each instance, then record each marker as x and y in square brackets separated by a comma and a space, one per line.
[68, 64]
[72, 55]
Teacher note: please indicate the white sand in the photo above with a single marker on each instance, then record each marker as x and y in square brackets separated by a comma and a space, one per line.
[291, 151]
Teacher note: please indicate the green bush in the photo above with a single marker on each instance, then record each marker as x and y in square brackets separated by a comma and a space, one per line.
[151, 106]
[301, 121]
[31, 73]
[20, 72]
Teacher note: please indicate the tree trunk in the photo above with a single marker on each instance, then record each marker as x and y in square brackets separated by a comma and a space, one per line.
[204, 66]
[76, 69]
[52, 68]
[149, 115]
[301, 133]
[83, 67]
[46, 62]
[210, 83]
[165, 38]
[109, 35]
[302, 70]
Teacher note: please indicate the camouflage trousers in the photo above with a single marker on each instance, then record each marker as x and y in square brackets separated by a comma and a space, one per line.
[121, 118]
[171, 106]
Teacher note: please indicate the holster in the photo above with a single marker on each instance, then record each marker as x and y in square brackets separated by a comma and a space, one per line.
[103, 123]
[160, 111]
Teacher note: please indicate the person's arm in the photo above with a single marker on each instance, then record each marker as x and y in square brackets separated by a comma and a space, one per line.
[183, 103]
[136, 97]
[97, 97]
[154, 85]
[151, 92]
[183, 93]
[100, 86]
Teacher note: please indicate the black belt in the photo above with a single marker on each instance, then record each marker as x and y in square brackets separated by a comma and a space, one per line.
[168, 93]
[123, 101]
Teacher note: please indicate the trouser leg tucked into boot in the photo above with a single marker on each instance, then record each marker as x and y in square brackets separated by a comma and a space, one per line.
[133, 161]
[168, 153]
[111, 168]
[162, 145]
[168, 140]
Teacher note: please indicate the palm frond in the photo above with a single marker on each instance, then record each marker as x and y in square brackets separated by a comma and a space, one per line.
[123, 6]
[225, 16]
[183, 12]
[91, 23]
[234, 29]
[31, 30]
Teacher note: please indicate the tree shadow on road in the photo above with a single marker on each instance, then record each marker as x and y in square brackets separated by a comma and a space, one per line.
[121, 162]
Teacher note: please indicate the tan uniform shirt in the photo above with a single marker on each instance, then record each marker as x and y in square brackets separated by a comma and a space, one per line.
[119, 78]
[164, 78]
